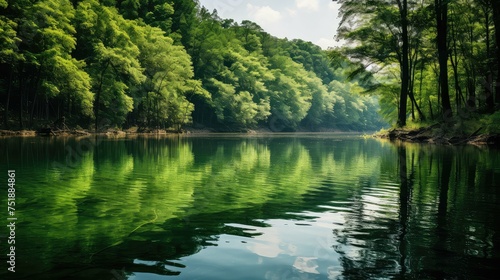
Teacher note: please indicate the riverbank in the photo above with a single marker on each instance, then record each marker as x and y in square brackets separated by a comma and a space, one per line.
[436, 134]
[149, 131]
[110, 132]
[17, 133]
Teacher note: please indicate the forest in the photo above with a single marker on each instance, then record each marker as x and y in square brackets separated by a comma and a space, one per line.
[435, 62]
[168, 64]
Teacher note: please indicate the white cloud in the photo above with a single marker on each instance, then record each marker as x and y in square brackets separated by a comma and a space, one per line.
[286, 18]
[324, 43]
[291, 12]
[312, 5]
[333, 6]
[264, 14]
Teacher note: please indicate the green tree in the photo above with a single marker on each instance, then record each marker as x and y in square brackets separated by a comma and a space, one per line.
[161, 99]
[382, 38]
[158, 14]
[239, 93]
[62, 74]
[290, 97]
[441, 10]
[495, 6]
[159, 63]
[311, 57]
[112, 60]
[183, 20]
[39, 41]
[9, 58]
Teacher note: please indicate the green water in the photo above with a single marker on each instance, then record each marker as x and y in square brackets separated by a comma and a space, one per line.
[250, 207]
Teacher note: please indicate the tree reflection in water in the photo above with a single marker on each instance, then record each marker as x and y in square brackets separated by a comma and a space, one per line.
[276, 207]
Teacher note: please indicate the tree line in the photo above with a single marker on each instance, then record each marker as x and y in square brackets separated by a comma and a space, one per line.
[167, 64]
[434, 60]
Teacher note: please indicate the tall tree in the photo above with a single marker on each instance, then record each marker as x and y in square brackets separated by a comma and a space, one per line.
[45, 79]
[167, 62]
[9, 57]
[441, 9]
[161, 100]
[380, 29]
[112, 60]
[405, 67]
[495, 4]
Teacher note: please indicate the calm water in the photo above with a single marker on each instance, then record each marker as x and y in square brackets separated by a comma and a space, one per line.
[240, 207]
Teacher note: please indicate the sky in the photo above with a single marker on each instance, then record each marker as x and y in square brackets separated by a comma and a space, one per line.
[310, 20]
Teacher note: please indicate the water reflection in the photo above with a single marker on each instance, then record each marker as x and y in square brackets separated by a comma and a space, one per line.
[262, 207]
[428, 233]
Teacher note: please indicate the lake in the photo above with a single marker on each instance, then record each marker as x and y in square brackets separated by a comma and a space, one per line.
[281, 206]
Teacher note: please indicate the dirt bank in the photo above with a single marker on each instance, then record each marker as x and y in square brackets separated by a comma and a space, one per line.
[434, 134]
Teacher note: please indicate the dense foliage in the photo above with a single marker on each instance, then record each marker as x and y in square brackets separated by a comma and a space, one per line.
[166, 64]
[437, 60]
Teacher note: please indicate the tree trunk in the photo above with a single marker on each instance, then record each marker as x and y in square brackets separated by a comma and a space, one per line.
[411, 89]
[7, 102]
[98, 95]
[420, 92]
[471, 93]
[35, 84]
[471, 75]
[405, 75]
[430, 109]
[417, 107]
[454, 64]
[21, 89]
[458, 89]
[496, 20]
[441, 7]
[489, 90]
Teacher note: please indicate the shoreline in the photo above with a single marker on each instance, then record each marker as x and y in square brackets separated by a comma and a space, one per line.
[185, 132]
[425, 135]
[432, 135]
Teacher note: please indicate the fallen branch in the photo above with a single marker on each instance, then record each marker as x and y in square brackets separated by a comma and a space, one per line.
[121, 241]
